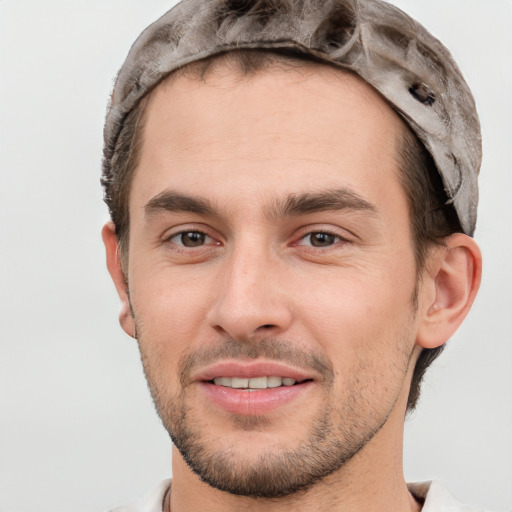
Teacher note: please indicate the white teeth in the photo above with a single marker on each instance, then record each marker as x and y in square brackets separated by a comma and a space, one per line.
[239, 383]
[274, 382]
[258, 383]
[254, 383]
[223, 381]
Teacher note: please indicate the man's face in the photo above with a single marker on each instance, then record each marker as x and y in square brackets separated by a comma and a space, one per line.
[270, 248]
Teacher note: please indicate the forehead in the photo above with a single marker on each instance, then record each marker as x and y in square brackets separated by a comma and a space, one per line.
[309, 126]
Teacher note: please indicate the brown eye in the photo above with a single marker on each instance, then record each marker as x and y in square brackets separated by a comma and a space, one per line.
[322, 239]
[190, 239]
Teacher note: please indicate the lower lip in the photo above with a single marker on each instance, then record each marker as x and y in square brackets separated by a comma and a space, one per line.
[259, 401]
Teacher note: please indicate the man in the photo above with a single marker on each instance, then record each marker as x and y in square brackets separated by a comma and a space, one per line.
[293, 192]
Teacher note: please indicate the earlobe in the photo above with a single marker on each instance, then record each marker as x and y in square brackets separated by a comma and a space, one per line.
[456, 278]
[116, 272]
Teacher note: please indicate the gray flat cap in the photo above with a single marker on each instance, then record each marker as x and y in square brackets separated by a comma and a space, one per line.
[384, 46]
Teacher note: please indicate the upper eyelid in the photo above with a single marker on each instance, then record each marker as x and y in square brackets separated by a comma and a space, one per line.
[300, 233]
[186, 231]
[326, 231]
[172, 232]
[344, 234]
[181, 247]
[340, 237]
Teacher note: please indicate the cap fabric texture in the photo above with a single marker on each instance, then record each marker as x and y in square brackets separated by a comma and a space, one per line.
[377, 41]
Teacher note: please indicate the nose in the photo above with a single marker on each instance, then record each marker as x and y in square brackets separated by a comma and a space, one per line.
[251, 299]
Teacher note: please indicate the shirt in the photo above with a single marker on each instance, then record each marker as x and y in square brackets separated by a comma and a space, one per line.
[435, 496]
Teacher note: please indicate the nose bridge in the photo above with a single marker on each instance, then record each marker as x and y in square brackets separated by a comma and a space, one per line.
[250, 297]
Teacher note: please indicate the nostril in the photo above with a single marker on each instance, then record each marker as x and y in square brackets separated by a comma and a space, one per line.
[267, 326]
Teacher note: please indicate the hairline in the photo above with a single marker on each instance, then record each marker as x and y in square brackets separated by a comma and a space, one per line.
[201, 69]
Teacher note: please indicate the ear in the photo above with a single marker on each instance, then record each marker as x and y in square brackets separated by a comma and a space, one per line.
[451, 282]
[126, 319]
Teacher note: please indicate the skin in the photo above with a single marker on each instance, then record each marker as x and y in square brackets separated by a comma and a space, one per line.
[243, 147]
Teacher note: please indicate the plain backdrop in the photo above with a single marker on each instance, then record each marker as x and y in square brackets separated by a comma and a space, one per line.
[78, 431]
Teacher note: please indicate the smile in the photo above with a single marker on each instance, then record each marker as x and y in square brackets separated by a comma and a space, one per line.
[254, 387]
[254, 382]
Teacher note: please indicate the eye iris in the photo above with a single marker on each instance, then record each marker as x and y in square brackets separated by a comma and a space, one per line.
[322, 239]
[192, 239]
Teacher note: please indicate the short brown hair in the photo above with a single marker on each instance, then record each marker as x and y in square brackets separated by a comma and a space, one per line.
[432, 217]
[432, 220]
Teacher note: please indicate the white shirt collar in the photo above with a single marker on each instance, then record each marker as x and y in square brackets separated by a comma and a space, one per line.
[437, 498]
[434, 494]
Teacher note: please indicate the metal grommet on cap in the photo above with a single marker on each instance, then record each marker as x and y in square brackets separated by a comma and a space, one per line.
[423, 94]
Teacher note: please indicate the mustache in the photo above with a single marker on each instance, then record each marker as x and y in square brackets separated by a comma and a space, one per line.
[272, 349]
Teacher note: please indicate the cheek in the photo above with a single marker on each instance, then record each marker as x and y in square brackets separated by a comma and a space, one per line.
[170, 308]
[360, 318]
[367, 333]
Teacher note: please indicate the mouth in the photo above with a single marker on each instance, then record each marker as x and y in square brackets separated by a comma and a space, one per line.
[254, 387]
[256, 383]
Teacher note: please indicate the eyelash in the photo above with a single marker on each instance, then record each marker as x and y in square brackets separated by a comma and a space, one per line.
[303, 237]
[339, 239]
[185, 232]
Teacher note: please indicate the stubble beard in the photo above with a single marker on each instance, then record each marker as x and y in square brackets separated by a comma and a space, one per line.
[274, 474]
[337, 432]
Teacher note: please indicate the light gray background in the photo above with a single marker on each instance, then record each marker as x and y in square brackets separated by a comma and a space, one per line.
[77, 428]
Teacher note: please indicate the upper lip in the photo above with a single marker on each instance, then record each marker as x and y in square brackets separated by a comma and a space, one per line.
[251, 369]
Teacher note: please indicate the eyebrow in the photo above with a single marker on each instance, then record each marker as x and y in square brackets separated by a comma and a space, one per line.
[171, 201]
[342, 199]
[293, 205]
